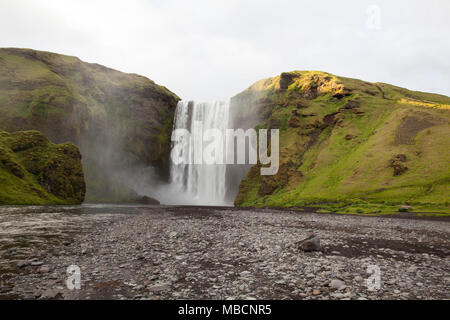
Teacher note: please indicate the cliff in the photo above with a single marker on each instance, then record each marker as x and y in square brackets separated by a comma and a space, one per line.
[348, 145]
[119, 121]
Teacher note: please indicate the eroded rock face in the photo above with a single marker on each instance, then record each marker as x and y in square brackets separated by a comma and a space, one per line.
[36, 171]
[119, 121]
[398, 164]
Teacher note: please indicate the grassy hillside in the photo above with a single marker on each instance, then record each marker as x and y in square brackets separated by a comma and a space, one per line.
[347, 145]
[119, 121]
[33, 170]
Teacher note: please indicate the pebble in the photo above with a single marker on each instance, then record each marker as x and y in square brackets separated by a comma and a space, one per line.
[44, 269]
[23, 263]
[204, 253]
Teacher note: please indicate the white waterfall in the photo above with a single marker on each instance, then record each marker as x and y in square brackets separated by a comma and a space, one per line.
[202, 184]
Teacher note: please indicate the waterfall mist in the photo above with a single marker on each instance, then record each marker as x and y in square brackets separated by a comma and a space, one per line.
[198, 184]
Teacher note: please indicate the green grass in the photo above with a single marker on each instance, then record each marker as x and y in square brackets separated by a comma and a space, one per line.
[35, 171]
[337, 171]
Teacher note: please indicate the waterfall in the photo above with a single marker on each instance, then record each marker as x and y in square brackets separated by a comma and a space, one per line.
[202, 184]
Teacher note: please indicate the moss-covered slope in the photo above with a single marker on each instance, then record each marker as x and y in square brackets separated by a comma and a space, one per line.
[119, 121]
[33, 170]
[348, 145]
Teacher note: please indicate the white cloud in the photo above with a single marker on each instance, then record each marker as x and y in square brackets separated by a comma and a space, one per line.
[209, 50]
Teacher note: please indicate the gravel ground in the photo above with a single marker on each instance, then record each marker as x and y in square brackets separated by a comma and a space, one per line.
[227, 253]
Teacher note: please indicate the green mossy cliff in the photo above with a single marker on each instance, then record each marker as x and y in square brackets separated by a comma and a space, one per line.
[119, 121]
[33, 170]
[348, 145]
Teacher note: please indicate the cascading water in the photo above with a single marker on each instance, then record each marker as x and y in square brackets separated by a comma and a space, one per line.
[203, 184]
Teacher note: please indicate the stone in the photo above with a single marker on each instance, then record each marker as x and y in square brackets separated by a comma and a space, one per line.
[411, 269]
[51, 294]
[337, 284]
[173, 234]
[312, 244]
[245, 273]
[23, 263]
[44, 269]
[160, 287]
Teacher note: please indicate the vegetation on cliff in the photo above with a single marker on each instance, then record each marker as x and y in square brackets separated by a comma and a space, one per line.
[33, 170]
[348, 145]
[119, 121]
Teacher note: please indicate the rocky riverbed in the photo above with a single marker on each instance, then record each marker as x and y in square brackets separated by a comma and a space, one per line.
[168, 252]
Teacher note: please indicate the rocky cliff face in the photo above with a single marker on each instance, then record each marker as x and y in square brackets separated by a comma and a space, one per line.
[346, 144]
[119, 121]
[33, 170]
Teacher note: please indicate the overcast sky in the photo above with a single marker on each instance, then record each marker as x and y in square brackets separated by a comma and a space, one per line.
[207, 50]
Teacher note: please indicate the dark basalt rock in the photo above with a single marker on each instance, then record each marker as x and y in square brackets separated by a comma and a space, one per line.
[286, 79]
[149, 200]
[310, 243]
